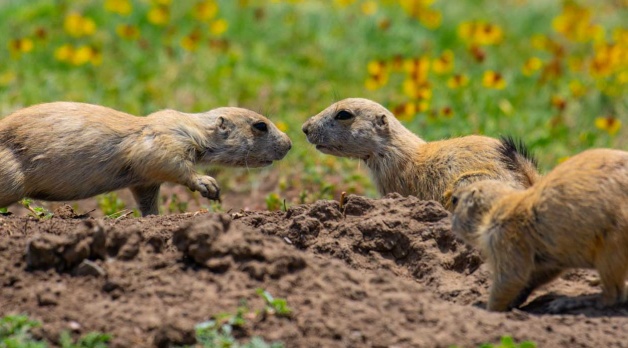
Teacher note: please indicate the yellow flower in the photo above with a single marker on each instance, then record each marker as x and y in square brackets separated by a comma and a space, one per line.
[577, 88]
[494, 80]
[81, 55]
[431, 19]
[531, 65]
[417, 68]
[344, 3]
[406, 111]
[159, 15]
[7, 78]
[620, 36]
[369, 7]
[376, 81]
[607, 59]
[19, 46]
[218, 26]
[282, 126]
[458, 81]
[162, 2]
[76, 25]
[622, 78]
[444, 63]
[480, 33]
[376, 67]
[128, 31]
[64, 53]
[205, 10]
[122, 7]
[609, 124]
[190, 42]
[417, 90]
[575, 24]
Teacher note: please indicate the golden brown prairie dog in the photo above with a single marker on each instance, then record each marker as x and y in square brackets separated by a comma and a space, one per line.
[574, 217]
[65, 151]
[399, 161]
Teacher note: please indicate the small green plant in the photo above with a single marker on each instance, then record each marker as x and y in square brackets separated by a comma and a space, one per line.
[176, 205]
[218, 332]
[4, 210]
[507, 342]
[278, 306]
[15, 332]
[90, 340]
[273, 202]
[38, 212]
[111, 205]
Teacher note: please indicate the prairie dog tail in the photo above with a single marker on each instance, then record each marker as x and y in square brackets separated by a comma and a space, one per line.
[519, 159]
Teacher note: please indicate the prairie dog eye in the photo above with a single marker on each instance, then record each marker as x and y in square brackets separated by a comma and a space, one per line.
[454, 201]
[343, 115]
[261, 126]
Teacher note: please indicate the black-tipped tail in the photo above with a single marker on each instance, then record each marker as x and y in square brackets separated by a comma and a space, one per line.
[511, 147]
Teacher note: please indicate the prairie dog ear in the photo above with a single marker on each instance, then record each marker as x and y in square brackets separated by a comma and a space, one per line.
[381, 121]
[221, 123]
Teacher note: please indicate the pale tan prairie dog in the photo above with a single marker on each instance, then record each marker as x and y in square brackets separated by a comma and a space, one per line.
[399, 161]
[65, 151]
[574, 217]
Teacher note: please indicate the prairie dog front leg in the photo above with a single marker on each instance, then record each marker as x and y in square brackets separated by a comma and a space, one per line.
[206, 185]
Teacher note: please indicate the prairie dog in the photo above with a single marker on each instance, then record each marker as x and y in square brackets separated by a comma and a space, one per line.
[399, 161]
[574, 217]
[65, 151]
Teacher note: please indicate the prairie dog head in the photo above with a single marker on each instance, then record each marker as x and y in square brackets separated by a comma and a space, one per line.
[242, 138]
[354, 127]
[472, 204]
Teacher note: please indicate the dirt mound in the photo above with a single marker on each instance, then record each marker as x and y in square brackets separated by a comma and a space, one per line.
[373, 273]
[409, 237]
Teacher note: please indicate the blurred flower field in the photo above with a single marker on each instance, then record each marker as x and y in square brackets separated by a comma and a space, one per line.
[554, 73]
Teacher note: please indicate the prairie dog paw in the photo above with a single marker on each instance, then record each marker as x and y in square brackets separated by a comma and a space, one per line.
[207, 186]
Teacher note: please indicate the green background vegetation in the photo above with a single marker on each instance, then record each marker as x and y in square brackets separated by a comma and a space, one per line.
[562, 66]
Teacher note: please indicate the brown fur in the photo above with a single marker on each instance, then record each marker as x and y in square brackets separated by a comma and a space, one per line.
[401, 162]
[66, 151]
[576, 216]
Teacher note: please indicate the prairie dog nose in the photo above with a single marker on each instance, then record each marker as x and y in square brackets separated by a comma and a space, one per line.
[305, 127]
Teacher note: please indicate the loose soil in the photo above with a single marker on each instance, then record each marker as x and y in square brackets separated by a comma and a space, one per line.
[370, 273]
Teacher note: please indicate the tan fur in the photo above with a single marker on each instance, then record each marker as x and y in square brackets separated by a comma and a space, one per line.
[401, 162]
[574, 217]
[65, 151]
